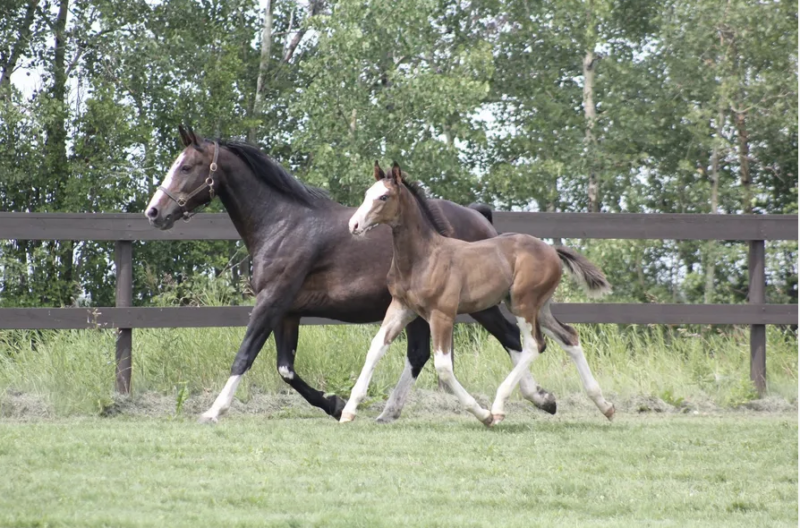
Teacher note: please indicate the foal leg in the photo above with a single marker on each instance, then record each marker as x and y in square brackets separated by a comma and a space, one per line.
[507, 333]
[418, 334]
[286, 334]
[567, 337]
[442, 331]
[397, 317]
[532, 346]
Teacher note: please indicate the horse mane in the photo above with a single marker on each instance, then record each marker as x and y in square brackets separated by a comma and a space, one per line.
[430, 211]
[274, 175]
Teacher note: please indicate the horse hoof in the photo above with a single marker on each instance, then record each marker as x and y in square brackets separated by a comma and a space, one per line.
[497, 418]
[387, 418]
[488, 420]
[610, 413]
[548, 403]
[347, 417]
[207, 419]
[338, 406]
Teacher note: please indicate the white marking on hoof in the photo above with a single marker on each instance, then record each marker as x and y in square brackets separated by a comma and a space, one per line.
[207, 419]
[497, 418]
[347, 417]
[610, 413]
[285, 373]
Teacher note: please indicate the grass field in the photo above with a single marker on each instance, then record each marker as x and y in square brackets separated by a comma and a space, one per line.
[726, 470]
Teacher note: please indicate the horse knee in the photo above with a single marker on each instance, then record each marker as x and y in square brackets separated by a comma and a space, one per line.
[444, 366]
[286, 373]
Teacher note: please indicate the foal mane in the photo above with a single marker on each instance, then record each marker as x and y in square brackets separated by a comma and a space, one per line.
[274, 175]
[430, 211]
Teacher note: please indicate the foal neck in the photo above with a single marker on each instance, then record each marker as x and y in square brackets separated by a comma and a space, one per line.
[413, 236]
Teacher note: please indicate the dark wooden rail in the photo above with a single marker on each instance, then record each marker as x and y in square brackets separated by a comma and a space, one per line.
[125, 228]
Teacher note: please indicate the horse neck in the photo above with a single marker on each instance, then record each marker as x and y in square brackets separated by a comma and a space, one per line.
[412, 235]
[254, 208]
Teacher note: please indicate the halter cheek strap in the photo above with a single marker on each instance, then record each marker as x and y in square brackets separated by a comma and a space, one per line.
[182, 198]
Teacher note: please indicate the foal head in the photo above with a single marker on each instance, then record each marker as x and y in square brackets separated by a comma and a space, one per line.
[189, 182]
[381, 201]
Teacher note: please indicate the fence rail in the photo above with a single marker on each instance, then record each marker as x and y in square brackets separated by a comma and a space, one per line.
[126, 228]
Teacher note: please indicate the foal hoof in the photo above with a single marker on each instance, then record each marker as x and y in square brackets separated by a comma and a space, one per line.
[487, 420]
[610, 413]
[497, 418]
[387, 417]
[347, 417]
[207, 419]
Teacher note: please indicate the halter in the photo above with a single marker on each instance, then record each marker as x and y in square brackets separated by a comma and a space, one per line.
[182, 199]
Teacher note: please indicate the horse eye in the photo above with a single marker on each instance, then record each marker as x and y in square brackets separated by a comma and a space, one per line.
[185, 168]
[384, 198]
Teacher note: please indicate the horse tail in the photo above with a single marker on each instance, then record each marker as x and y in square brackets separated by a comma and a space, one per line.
[483, 209]
[587, 275]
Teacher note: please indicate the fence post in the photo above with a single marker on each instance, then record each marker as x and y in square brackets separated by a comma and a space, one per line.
[758, 332]
[123, 259]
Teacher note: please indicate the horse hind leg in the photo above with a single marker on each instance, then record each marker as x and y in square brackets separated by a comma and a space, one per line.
[532, 346]
[567, 337]
[508, 334]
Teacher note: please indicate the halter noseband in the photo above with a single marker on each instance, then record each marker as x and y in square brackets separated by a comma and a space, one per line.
[182, 199]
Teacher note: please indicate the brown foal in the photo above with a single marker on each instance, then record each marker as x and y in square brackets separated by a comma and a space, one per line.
[437, 277]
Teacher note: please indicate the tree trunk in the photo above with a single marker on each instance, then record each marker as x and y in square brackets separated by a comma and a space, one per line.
[314, 7]
[708, 294]
[744, 163]
[263, 67]
[55, 147]
[24, 33]
[589, 109]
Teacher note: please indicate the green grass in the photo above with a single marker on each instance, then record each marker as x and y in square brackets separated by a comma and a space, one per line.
[73, 371]
[734, 469]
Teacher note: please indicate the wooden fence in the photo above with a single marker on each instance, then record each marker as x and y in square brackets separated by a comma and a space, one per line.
[125, 228]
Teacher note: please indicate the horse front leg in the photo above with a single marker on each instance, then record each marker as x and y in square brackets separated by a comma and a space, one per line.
[263, 318]
[418, 334]
[396, 318]
[286, 335]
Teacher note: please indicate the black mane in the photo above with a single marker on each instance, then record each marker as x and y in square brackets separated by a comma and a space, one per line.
[430, 211]
[275, 176]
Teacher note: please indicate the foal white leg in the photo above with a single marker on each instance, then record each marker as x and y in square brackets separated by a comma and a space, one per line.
[442, 334]
[590, 384]
[531, 390]
[530, 351]
[223, 401]
[397, 400]
[444, 368]
[397, 317]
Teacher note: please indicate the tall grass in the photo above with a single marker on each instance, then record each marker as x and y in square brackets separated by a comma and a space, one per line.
[74, 370]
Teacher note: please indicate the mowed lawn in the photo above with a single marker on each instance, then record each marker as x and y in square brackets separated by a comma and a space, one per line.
[731, 469]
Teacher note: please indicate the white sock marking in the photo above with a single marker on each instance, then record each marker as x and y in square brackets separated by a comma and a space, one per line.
[530, 351]
[225, 398]
[285, 372]
[397, 400]
[444, 368]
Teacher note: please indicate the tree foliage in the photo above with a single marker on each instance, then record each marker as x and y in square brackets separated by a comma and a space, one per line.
[560, 105]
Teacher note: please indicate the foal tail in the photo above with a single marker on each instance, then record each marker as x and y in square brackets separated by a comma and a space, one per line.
[587, 275]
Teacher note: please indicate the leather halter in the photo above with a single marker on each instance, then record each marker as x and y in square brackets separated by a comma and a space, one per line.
[182, 199]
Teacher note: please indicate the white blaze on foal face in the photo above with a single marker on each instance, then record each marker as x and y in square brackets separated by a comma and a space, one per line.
[378, 208]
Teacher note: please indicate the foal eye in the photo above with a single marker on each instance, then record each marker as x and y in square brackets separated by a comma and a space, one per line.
[185, 168]
[384, 198]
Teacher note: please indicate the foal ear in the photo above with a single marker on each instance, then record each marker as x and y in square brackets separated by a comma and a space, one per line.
[397, 174]
[379, 174]
[185, 138]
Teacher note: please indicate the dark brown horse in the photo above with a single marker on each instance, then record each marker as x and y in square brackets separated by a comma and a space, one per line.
[306, 263]
[437, 277]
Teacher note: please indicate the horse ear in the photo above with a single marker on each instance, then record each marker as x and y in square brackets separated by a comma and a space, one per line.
[397, 174]
[185, 139]
[379, 174]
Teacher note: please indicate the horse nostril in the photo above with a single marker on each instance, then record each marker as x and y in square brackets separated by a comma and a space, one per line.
[152, 213]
